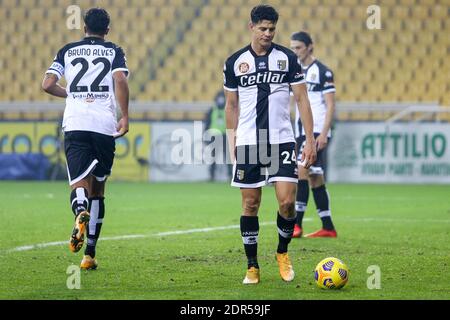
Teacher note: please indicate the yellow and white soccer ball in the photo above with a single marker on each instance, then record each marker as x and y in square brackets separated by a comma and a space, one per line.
[331, 273]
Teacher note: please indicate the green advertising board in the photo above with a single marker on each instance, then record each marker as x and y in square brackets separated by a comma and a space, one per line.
[397, 153]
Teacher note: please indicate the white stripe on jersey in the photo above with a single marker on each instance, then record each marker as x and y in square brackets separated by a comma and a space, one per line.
[317, 84]
[88, 66]
[263, 83]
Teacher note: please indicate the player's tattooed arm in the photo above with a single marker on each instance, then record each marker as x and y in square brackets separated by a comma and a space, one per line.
[51, 86]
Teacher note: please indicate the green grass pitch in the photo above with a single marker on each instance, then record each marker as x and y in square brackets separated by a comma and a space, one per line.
[402, 229]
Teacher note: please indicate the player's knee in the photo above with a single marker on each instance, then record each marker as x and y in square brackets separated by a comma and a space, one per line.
[251, 205]
[316, 180]
[287, 206]
[303, 173]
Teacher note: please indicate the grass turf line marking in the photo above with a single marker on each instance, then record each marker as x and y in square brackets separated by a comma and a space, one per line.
[135, 236]
[199, 230]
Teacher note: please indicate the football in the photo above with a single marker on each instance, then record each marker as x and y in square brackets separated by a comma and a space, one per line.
[331, 273]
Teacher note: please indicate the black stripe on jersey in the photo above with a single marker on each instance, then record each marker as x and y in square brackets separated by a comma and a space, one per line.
[262, 102]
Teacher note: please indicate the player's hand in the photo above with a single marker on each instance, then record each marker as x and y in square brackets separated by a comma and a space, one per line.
[122, 128]
[321, 142]
[309, 154]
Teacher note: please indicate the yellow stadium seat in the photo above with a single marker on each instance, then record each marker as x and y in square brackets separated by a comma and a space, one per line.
[342, 12]
[311, 2]
[440, 12]
[382, 76]
[375, 91]
[286, 13]
[414, 25]
[322, 12]
[377, 51]
[398, 52]
[404, 75]
[419, 12]
[314, 26]
[412, 45]
[350, 2]
[400, 12]
[9, 3]
[405, 38]
[433, 25]
[300, 13]
[227, 12]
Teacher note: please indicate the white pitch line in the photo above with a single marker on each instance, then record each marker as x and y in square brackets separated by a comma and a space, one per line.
[135, 236]
[199, 230]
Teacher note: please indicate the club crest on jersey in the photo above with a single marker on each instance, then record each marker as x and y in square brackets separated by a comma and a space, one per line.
[313, 77]
[244, 67]
[240, 174]
[281, 64]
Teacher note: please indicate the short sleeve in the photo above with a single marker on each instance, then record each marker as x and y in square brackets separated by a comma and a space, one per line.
[230, 82]
[120, 62]
[295, 73]
[57, 66]
[327, 82]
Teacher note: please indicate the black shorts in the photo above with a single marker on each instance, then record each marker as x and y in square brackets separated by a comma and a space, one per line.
[88, 152]
[318, 166]
[258, 166]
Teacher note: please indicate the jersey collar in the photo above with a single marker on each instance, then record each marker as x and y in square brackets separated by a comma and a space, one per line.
[96, 39]
[309, 66]
[254, 53]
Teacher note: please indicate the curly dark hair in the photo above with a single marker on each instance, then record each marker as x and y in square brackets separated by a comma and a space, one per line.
[264, 12]
[97, 21]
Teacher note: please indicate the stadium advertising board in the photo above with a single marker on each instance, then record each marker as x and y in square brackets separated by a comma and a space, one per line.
[398, 153]
[31, 137]
[132, 150]
[166, 163]
[132, 154]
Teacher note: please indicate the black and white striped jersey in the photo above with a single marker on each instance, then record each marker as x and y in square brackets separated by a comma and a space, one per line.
[319, 81]
[88, 66]
[262, 83]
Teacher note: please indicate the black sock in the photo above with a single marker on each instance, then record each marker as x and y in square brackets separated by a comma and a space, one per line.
[285, 231]
[323, 206]
[301, 200]
[97, 212]
[79, 200]
[249, 233]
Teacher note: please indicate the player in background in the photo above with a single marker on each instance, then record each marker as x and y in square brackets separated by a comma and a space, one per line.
[215, 123]
[321, 93]
[256, 82]
[96, 74]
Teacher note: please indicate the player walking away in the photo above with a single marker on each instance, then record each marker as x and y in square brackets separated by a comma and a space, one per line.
[321, 93]
[256, 83]
[96, 75]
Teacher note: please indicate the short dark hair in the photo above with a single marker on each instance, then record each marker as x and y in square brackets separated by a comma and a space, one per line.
[97, 21]
[264, 12]
[302, 36]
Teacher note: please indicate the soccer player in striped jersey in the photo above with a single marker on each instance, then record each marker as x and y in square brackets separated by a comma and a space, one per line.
[96, 74]
[321, 93]
[257, 79]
